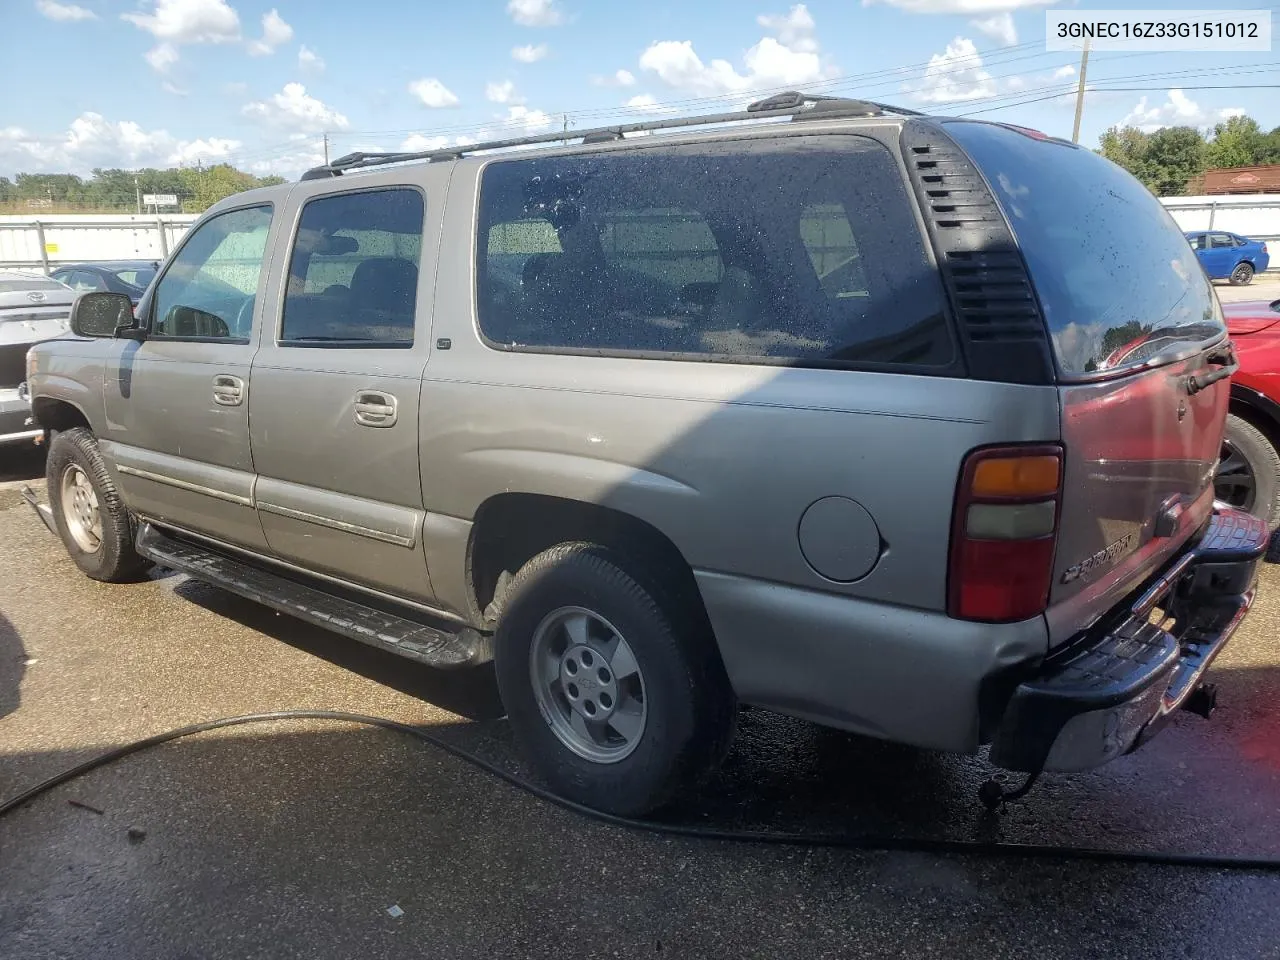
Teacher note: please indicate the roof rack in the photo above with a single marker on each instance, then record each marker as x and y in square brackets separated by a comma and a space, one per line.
[794, 104]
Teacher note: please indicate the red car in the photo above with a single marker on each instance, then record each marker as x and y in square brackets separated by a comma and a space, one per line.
[1249, 471]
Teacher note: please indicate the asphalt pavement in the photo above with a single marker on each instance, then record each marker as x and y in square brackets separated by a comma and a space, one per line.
[326, 841]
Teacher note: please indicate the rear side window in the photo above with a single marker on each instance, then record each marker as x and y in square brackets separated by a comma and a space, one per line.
[796, 249]
[353, 272]
[1117, 280]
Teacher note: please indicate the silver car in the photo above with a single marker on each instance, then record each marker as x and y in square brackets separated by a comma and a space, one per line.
[32, 308]
[904, 425]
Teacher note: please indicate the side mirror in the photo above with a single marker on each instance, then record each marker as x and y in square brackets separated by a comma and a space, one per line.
[102, 315]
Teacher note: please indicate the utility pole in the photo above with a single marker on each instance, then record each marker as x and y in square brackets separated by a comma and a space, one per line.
[565, 129]
[1084, 68]
[326, 148]
[137, 192]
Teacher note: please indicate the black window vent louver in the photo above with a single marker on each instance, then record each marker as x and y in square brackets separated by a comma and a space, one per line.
[981, 265]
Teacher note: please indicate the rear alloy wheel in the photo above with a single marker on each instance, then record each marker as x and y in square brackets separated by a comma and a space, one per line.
[612, 683]
[1242, 274]
[1248, 475]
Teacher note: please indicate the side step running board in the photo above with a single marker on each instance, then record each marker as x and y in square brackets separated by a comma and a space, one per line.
[434, 646]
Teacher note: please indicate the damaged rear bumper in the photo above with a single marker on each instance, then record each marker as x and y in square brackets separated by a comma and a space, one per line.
[1109, 691]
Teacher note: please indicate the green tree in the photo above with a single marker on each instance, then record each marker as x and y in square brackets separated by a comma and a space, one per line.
[1174, 155]
[1164, 160]
[1237, 142]
[1126, 146]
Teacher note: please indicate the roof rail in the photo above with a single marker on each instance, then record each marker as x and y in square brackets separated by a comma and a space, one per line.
[794, 104]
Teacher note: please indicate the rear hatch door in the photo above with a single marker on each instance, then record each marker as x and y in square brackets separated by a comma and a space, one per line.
[1136, 331]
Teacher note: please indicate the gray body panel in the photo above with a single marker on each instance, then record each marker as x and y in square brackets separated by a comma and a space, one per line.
[181, 455]
[335, 495]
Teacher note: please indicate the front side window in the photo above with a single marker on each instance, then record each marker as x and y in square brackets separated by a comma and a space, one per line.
[353, 273]
[209, 290]
[795, 249]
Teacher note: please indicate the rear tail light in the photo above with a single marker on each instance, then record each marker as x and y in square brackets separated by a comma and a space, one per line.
[1003, 533]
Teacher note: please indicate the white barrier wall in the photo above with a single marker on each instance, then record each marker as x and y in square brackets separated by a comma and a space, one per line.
[43, 243]
[1256, 216]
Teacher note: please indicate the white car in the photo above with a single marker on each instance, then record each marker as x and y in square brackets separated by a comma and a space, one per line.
[32, 308]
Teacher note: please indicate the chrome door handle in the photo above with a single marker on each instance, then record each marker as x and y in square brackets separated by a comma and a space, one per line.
[375, 409]
[228, 391]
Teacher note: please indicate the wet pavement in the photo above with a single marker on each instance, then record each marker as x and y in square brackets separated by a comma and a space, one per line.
[295, 839]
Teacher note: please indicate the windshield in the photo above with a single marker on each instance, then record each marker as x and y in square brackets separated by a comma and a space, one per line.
[1116, 278]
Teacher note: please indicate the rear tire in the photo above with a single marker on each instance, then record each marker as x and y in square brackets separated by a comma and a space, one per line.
[651, 721]
[1242, 274]
[1249, 471]
[91, 518]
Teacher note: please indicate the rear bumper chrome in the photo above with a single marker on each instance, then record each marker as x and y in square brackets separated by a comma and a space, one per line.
[1112, 689]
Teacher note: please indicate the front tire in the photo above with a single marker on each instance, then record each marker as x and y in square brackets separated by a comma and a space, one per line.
[1242, 274]
[91, 518]
[613, 686]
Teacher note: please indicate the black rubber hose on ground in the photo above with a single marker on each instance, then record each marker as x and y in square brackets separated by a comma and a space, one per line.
[864, 842]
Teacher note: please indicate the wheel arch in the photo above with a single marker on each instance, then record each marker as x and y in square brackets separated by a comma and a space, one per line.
[56, 413]
[1258, 409]
[509, 529]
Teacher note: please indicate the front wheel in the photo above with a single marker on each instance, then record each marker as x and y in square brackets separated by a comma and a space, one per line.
[614, 689]
[1242, 274]
[91, 518]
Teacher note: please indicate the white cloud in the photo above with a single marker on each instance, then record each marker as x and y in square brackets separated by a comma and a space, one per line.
[645, 103]
[275, 33]
[956, 75]
[293, 108]
[308, 59]
[999, 27]
[172, 88]
[530, 53]
[790, 58]
[504, 92]
[189, 21]
[960, 6]
[213, 150]
[531, 120]
[64, 12]
[433, 93]
[535, 13]
[422, 142]
[177, 22]
[794, 29]
[1178, 110]
[622, 78]
[289, 163]
[93, 141]
[161, 57]
[1067, 70]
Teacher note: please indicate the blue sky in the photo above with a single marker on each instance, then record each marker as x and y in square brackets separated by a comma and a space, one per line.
[162, 82]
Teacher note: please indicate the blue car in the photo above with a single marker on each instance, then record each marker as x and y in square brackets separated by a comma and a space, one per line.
[1228, 256]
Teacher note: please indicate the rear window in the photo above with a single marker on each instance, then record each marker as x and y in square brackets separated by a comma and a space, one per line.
[795, 249]
[1116, 277]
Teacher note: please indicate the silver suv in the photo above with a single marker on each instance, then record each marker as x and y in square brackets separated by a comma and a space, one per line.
[905, 425]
